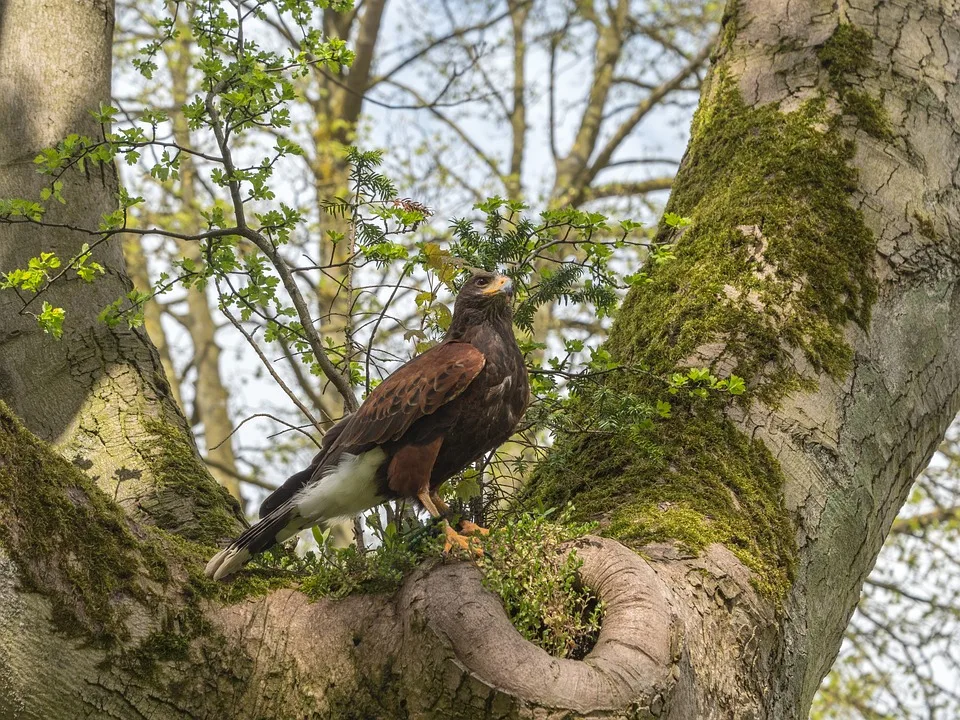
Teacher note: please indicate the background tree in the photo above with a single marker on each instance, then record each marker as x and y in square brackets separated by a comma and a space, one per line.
[771, 280]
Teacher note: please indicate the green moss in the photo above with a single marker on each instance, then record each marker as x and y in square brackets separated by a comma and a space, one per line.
[693, 478]
[774, 267]
[728, 28]
[189, 501]
[74, 545]
[871, 116]
[846, 53]
[845, 56]
[253, 582]
[166, 645]
[925, 225]
[776, 260]
[69, 541]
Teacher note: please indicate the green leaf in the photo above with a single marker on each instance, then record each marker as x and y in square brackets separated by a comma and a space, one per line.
[663, 408]
[51, 320]
[676, 221]
[736, 385]
[469, 485]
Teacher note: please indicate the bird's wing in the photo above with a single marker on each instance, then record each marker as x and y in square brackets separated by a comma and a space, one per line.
[296, 481]
[416, 390]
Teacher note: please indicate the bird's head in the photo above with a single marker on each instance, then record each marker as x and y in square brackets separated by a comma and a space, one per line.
[485, 294]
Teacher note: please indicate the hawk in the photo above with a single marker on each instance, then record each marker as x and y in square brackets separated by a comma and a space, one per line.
[429, 420]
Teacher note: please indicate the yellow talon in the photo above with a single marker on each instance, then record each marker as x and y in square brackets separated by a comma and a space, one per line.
[468, 545]
[471, 528]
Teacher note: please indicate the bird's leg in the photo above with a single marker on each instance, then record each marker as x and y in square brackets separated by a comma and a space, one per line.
[438, 503]
[453, 538]
[427, 501]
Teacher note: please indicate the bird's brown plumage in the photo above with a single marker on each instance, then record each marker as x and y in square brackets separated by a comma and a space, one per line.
[429, 419]
[417, 389]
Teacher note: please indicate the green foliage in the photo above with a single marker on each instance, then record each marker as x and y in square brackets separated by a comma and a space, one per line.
[86, 269]
[36, 274]
[349, 570]
[51, 320]
[12, 209]
[698, 382]
[525, 563]
[675, 221]
[564, 257]
[132, 310]
[338, 572]
[242, 87]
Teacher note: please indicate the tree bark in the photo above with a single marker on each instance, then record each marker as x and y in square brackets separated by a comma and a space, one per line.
[820, 266]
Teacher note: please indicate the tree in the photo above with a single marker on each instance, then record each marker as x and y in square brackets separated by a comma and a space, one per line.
[99, 398]
[737, 527]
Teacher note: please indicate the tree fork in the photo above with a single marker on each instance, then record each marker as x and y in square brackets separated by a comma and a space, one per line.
[821, 264]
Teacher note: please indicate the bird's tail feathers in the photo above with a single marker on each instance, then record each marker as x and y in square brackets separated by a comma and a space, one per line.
[281, 524]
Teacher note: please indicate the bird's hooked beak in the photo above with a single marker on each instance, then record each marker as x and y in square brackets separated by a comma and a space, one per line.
[500, 285]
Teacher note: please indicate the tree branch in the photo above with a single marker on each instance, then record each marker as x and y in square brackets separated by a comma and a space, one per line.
[624, 189]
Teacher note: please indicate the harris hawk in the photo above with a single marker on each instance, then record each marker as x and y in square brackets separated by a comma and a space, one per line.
[426, 422]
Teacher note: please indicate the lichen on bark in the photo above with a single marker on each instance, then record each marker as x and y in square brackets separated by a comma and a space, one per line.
[776, 264]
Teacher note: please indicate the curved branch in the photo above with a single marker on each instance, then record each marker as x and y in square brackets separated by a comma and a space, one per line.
[629, 666]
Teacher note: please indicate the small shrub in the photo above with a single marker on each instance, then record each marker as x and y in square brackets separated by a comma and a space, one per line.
[539, 585]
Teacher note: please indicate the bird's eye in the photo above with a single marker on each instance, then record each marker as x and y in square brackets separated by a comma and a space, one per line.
[482, 281]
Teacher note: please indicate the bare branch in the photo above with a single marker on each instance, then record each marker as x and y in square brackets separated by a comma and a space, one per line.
[643, 108]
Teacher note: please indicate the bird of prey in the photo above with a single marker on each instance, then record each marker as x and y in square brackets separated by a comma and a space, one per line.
[426, 422]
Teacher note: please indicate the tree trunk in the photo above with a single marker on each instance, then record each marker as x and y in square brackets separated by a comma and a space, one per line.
[819, 267]
[98, 395]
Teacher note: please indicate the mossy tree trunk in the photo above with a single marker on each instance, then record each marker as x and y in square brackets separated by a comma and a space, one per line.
[821, 267]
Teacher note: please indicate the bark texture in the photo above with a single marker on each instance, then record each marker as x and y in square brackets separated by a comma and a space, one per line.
[820, 266]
